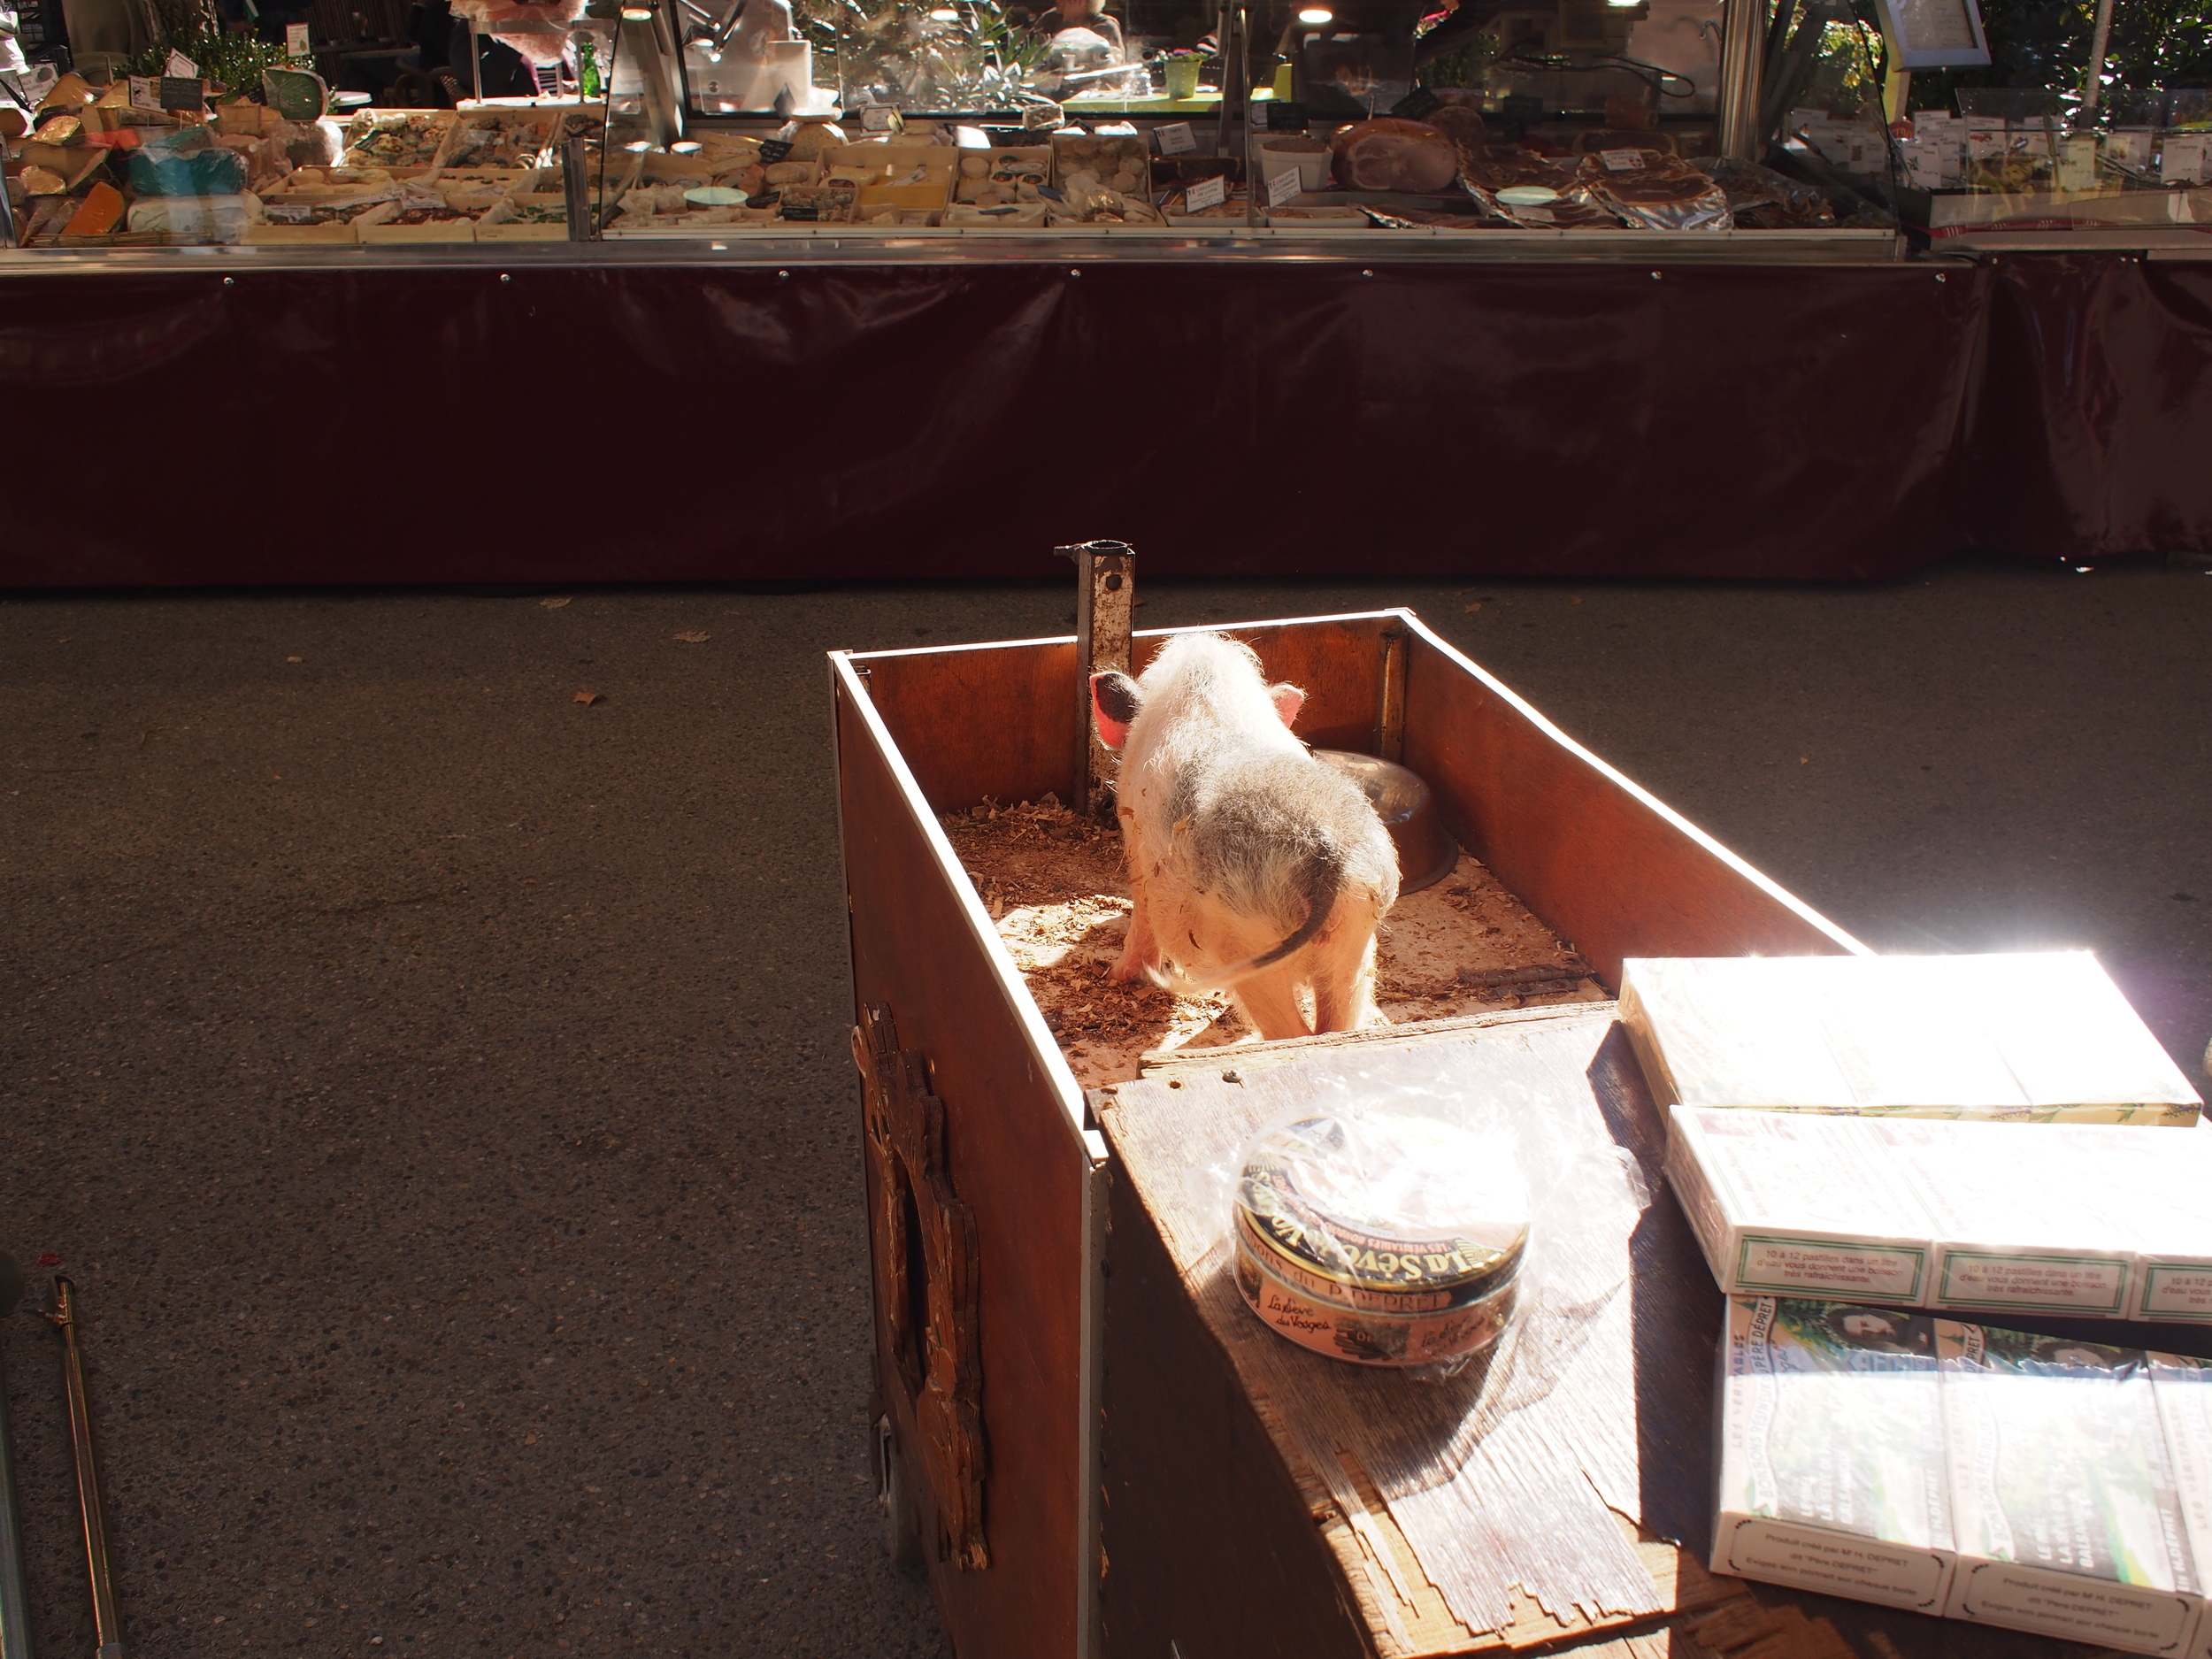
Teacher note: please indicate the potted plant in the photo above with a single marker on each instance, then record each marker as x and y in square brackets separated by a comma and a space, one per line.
[1179, 66]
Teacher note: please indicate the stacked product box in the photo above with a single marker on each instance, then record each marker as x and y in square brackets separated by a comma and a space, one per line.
[2062, 1493]
[1831, 1466]
[2089, 1220]
[2030, 1483]
[2040, 1037]
[2183, 1388]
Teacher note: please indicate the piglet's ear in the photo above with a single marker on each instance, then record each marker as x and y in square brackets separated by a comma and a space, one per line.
[1289, 701]
[1113, 706]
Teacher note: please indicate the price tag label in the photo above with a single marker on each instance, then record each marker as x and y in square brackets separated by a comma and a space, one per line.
[877, 118]
[1284, 116]
[296, 41]
[1621, 160]
[773, 150]
[1285, 187]
[179, 93]
[1176, 139]
[1207, 193]
[143, 94]
[32, 84]
[179, 67]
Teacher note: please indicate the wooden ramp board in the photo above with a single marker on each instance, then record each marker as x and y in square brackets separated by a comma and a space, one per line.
[1554, 1498]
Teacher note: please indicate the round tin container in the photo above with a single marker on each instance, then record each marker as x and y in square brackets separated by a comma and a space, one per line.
[1385, 1239]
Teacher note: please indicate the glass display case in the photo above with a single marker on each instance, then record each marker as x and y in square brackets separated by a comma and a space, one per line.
[865, 127]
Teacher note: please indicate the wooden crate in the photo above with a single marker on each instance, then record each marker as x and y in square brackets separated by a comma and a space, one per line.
[988, 1184]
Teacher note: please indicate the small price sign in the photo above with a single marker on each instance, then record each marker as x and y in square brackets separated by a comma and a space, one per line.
[1176, 139]
[179, 67]
[295, 45]
[1207, 193]
[1285, 187]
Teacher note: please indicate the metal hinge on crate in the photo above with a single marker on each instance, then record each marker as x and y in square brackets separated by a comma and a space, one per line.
[926, 1285]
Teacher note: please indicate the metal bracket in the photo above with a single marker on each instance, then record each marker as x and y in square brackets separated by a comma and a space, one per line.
[1105, 600]
[923, 1241]
[1390, 701]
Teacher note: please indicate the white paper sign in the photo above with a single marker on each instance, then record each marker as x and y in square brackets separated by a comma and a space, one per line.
[1206, 193]
[296, 41]
[181, 66]
[2129, 147]
[2077, 162]
[143, 94]
[1284, 187]
[37, 81]
[2181, 158]
[1621, 160]
[876, 118]
[1176, 139]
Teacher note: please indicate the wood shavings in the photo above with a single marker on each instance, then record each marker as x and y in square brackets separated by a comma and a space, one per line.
[1054, 885]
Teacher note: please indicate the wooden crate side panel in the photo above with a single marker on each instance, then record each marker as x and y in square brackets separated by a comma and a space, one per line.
[1601, 862]
[1336, 661]
[997, 720]
[1208, 1543]
[1016, 1158]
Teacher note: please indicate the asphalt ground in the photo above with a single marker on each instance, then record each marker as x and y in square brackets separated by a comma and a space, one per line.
[438, 1087]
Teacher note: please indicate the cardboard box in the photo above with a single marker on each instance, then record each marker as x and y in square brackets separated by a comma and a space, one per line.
[1832, 1473]
[2090, 1219]
[2063, 1499]
[2183, 1388]
[2034, 1037]
[1792, 1203]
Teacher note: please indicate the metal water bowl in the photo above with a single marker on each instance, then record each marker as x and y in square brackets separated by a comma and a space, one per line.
[1426, 851]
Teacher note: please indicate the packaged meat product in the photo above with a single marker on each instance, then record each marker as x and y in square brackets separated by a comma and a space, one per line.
[1656, 192]
[1759, 198]
[1390, 154]
[1523, 189]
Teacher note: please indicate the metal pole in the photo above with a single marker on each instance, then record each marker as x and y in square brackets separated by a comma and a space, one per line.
[1105, 593]
[1743, 37]
[576, 191]
[15, 1603]
[2094, 83]
[106, 1628]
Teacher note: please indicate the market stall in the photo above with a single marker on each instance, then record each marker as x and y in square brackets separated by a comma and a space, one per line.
[1556, 276]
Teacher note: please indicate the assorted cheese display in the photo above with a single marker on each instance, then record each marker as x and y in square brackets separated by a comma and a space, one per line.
[103, 166]
[2033, 1483]
[2040, 1037]
[2092, 1220]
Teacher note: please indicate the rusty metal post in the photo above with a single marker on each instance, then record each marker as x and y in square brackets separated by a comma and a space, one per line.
[107, 1629]
[1105, 595]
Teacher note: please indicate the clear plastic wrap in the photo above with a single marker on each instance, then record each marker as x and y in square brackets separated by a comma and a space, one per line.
[1657, 191]
[1524, 189]
[1407, 1225]
[1759, 198]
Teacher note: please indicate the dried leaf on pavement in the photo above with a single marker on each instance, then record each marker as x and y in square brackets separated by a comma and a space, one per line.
[693, 639]
[587, 696]
[555, 603]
